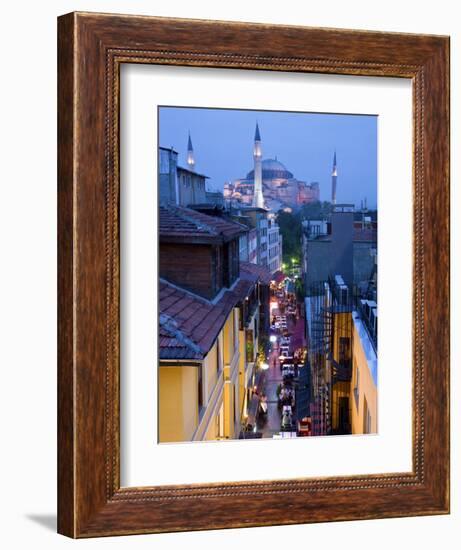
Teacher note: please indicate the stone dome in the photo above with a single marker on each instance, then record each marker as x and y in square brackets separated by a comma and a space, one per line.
[272, 169]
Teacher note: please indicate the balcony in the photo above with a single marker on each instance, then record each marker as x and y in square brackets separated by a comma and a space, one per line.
[342, 371]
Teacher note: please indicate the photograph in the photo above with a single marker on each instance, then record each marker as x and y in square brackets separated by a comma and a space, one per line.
[206, 205]
[267, 274]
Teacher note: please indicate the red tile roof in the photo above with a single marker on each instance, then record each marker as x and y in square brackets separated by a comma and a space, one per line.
[178, 223]
[243, 288]
[173, 346]
[259, 272]
[189, 324]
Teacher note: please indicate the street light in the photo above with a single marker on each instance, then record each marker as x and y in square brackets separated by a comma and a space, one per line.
[273, 338]
[264, 366]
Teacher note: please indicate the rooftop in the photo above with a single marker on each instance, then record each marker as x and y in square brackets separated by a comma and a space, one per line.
[181, 224]
[189, 324]
[189, 171]
[169, 149]
[259, 272]
[367, 346]
[358, 235]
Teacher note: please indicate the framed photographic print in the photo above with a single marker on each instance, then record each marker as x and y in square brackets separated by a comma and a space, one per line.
[238, 206]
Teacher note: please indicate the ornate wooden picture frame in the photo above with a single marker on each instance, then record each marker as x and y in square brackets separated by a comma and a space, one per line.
[92, 48]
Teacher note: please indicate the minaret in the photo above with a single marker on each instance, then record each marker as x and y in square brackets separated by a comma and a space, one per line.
[334, 177]
[190, 155]
[258, 199]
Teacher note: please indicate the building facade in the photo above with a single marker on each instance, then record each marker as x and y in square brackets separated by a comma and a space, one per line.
[274, 243]
[364, 409]
[342, 357]
[340, 245]
[179, 185]
[167, 176]
[253, 245]
[266, 246]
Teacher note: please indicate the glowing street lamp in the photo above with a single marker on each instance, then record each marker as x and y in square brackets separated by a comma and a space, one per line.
[264, 366]
[273, 338]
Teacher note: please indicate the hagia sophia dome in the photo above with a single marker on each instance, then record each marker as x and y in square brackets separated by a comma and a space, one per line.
[280, 188]
[270, 184]
[272, 169]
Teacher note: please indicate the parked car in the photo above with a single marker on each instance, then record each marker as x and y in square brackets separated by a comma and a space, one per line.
[305, 426]
[288, 372]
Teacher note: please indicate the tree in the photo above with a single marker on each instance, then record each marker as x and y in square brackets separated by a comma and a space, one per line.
[290, 224]
[290, 228]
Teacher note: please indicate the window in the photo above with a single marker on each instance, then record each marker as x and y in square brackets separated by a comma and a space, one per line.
[235, 261]
[366, 417]
[231, 265]
[236, 330]
[356, 386]
[249, 346]
[220, 423]
[344, 354]
[200, 389]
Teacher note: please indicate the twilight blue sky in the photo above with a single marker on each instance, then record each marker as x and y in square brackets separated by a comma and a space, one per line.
[303, 142]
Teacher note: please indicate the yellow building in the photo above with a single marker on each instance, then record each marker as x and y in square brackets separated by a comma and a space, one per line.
[340, 361]
[206, 361]
[354, 375]
[341, 340]
[199, 365]
[364, 379]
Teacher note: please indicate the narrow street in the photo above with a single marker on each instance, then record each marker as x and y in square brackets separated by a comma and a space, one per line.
[287, 339]
[271, 425]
